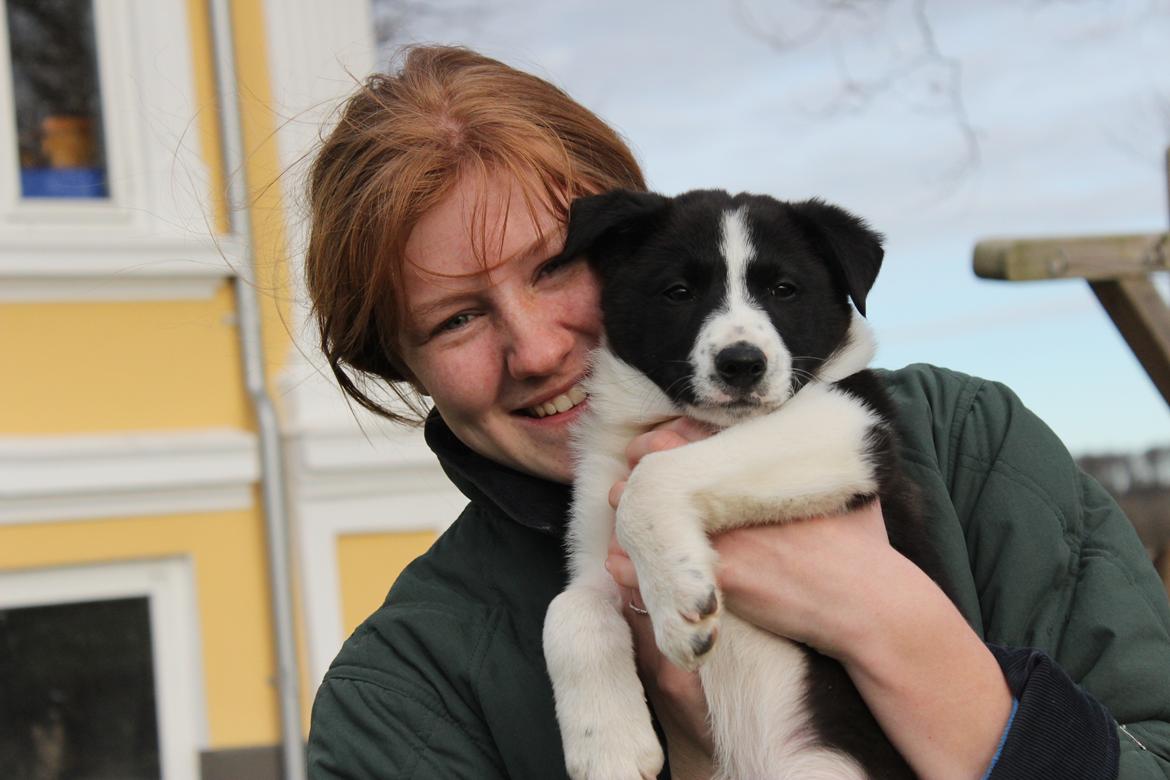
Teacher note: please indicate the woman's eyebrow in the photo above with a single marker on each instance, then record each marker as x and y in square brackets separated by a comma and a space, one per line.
[538, 245]
[443, 302]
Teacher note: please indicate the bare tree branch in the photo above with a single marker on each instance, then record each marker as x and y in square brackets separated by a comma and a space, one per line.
[926, 65]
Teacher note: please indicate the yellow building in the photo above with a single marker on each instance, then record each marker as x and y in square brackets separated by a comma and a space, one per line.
[137, 630]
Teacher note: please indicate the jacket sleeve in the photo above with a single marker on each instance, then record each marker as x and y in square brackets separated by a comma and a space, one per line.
[1059, 568]
[398, 701]
[1057, 729]
[366, 727]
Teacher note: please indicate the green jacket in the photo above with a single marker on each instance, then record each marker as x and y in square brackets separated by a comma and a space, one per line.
[447, 678]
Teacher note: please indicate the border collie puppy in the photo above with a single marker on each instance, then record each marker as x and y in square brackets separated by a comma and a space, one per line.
[735, 311]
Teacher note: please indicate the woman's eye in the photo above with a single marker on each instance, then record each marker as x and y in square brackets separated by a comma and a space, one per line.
[556, 264]
[783, 290]
[454, 323]
[679, 293]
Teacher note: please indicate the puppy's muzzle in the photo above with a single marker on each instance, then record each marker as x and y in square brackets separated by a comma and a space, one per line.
[741, 366]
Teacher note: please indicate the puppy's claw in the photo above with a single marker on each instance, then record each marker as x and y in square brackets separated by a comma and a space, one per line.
[701, 644]
[708, 608]
[711, 605]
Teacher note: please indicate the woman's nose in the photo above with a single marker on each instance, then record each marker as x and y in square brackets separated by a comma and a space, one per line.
[539, 344]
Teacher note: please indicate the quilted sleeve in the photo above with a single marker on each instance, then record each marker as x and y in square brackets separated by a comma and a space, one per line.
[370, 727]
[1059, 568]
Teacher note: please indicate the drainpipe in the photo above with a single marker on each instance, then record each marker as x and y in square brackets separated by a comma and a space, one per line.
[272, 480]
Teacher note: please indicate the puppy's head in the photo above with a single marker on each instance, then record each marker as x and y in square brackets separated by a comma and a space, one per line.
[729, 304]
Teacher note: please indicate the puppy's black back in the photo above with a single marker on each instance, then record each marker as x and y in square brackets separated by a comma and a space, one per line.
[840, 716]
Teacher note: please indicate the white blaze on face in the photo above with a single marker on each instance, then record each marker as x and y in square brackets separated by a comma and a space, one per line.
[739, 318]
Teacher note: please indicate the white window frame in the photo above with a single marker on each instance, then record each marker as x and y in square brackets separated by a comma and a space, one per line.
[168, 585]
[153, 236]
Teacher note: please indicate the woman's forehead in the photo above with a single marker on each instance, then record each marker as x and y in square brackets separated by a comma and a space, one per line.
[483, 222]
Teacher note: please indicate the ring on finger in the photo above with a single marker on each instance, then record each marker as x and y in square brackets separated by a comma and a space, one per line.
[636, 609]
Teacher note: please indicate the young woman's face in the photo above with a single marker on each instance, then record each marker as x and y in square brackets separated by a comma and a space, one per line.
[498, 349]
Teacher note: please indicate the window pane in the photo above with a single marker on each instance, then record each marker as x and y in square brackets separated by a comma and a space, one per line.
[58, 101]
[77, 692]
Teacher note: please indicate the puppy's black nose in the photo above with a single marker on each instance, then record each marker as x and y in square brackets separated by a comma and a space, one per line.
[741, 365]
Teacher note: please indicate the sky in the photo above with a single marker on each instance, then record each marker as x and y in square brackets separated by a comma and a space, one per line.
[941, 123]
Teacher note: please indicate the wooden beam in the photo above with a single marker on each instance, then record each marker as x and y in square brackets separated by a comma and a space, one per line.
[1142, 316]
[1091, 258]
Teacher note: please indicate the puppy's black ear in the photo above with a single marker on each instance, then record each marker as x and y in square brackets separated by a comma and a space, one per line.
[603, 225]
[847, 242]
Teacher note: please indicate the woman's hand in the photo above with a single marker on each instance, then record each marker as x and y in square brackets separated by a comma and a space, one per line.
[818, 580]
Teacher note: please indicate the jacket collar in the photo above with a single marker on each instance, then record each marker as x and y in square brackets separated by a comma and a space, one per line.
[530, 501]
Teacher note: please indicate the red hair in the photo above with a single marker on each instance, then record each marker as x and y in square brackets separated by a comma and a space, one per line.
[402, 143]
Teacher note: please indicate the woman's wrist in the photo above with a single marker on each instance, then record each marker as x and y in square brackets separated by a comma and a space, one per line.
[930, 681]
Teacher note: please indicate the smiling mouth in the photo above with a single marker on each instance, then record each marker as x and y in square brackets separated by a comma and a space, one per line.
[562, 403]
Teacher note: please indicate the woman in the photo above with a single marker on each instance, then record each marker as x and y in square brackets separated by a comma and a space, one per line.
[438, 205]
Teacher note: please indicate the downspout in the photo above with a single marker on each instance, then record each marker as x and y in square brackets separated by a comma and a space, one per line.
[272, 480]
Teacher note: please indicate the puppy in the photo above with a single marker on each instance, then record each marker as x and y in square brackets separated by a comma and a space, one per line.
[732, 310]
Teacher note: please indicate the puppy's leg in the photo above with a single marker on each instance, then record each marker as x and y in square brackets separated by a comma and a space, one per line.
[675, 565]
[812, 456]
[809, 457]
[605, 723]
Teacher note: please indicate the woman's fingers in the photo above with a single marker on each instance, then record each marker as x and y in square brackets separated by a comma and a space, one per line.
[620, 567]
[812, 580]
[667, 436]
[615, 493]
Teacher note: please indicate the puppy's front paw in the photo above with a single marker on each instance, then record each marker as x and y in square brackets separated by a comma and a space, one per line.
[619, 749]
[684, 608]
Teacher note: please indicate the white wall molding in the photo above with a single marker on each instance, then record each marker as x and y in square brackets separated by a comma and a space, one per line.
[46, 478]
[87, 266]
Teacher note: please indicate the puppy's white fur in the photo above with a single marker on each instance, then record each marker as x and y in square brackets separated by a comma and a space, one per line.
[807, 457]
[740, 318]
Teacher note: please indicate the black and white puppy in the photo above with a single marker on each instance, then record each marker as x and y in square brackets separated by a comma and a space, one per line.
[733, 310]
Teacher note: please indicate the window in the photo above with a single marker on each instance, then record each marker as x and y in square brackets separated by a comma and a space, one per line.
[100, 674]
[60, 138]
[77, 691]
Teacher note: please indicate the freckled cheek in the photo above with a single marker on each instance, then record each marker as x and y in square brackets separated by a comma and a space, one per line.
[585, 304]
[465, 388]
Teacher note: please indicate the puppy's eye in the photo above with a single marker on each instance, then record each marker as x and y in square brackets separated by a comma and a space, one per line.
[679, 293]
[783, 291]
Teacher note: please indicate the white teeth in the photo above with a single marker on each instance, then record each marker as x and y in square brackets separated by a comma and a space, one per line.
[562, 403]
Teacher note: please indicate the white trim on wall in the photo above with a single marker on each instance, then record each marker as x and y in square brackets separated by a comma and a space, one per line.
[157, 222]
[174, 626]
[79, 477]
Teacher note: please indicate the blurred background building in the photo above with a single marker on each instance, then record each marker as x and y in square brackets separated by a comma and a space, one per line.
[136, 626]
[137, 631]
